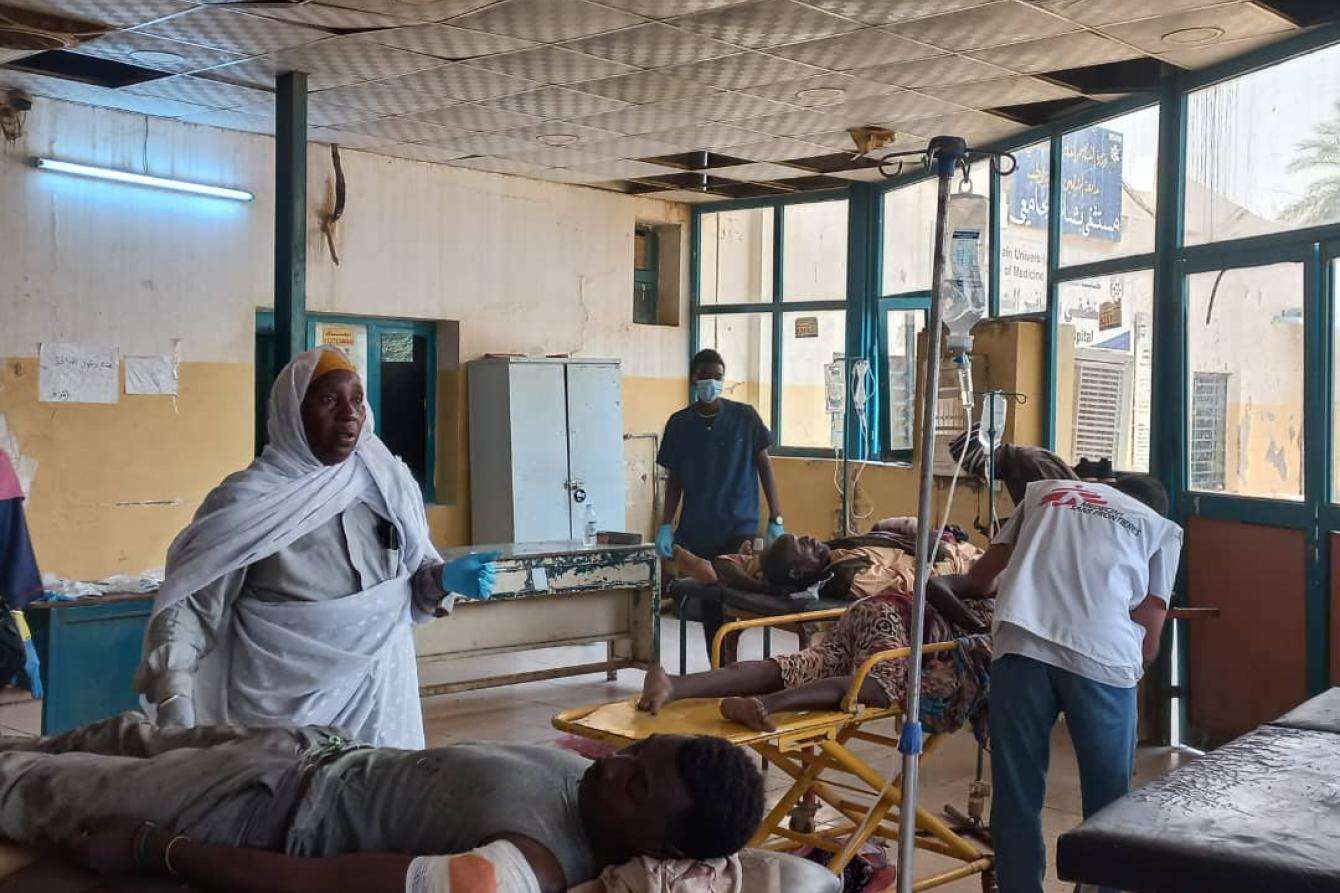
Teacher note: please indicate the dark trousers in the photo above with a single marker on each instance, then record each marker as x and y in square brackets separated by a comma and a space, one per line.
[710, 611]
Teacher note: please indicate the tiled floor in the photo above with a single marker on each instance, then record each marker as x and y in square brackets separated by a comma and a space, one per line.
[522, 713]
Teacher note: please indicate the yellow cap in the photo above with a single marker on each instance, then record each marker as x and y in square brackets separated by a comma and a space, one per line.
[332, 360]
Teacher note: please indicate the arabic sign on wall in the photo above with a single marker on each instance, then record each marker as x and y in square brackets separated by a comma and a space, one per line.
[1091, 195]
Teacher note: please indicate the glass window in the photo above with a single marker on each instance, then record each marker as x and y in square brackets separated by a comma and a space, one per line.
[1245, 358]
[1108, 174]
[1262, 149]
[1023, 232]
[1335, 403]
[735, 256]
[744, 341]
[1104, 362]
[909, 232]
[901, 328]
[814, 251]
[810, 341]
[402, 417]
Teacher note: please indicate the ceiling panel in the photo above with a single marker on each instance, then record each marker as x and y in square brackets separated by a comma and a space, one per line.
[321, 15]
[420, 152]
[232, 120]
[1199, 57]
[729, 106]
[157, 53]
[404, 129]
[346, 138]
[554, 65]
[856, 50]
[485, 119]
[979, 128]
[1002, 92]
[558, 102]
[1108, 12]
[413, 10]
[499, 166]
[889, 108]
[445, 42]
[200, 91]
[765, 23]
[775, 149]
[938, 71]
[341, 61]
[236, 32]
[761, 170]
[821, 90]
[330, 114]
[387, 99]
[632, 147]
[550, 157]
[485, 144]
[618, 168]
[569, 175]
[647, 118]
[462, 81]
[644, 87]
[1077, 50]
[666, 9]
[146, 105]
[121, 13]
[653, 46]
[884, 12]
[547, 21]
[792, 124]
[1004, 21]
[1191, 30]
[743, 70]
[563, 134]
[709, 136]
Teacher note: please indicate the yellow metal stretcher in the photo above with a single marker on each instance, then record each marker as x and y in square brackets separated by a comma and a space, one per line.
[812, 747]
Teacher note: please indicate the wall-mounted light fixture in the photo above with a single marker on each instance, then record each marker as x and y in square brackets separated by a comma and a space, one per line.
[104, 173]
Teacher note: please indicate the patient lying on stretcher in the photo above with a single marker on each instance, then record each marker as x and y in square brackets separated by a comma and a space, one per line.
[876, 569]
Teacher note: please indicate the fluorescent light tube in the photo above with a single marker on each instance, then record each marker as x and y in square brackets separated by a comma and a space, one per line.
[103, 173]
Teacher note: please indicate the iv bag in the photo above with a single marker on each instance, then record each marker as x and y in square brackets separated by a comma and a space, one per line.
[962, 292]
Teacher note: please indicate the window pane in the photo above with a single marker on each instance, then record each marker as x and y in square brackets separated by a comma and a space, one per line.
[1245, 357]
[744, 341]
[902, 328]
[909, 233]
[403, 422]
[1262, 149]
[1335, 440]
[1107, 188]
[810, 341]
[814, 251]
[1023, 232]
[1104, 362]
[735, 257]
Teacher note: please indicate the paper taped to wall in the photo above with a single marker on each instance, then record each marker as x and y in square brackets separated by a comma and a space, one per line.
[151, 375]
[78, 373]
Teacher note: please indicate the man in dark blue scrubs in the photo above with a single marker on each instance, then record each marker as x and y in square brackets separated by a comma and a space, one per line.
[716, 452]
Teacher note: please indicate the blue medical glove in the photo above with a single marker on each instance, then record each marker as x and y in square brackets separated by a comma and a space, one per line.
[32, 669]
[775, 529]
[665, 541]
[471, 575]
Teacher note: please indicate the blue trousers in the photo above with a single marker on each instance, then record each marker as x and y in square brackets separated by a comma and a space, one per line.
[1027, 696]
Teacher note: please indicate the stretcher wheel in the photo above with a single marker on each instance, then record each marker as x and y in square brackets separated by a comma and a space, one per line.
[802, 816]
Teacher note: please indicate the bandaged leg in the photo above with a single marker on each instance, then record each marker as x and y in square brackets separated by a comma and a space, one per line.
[498, 867]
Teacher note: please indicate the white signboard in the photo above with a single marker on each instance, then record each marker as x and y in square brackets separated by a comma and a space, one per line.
[151, 375]
[78, 373]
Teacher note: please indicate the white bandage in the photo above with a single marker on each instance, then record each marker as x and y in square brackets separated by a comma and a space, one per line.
[496, 867]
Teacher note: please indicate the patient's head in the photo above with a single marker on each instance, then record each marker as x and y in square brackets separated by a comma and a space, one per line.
[1146, 488]
[795, 561]
[672, 796]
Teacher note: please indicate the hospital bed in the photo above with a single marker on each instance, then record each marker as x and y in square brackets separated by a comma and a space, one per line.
[816, 749]
[1259, 815]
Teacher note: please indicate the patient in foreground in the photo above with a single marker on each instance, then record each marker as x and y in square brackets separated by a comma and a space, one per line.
[305, 809]
[818, 677]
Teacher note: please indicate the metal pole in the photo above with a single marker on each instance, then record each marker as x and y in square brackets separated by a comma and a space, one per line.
[945, 153]
[290, 216]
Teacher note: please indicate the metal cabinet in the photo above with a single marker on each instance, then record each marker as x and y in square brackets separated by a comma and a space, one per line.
[546, 438]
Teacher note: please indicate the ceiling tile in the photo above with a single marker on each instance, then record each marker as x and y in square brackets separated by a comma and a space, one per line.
[652, 46]
[1199, 57]
[643, 87]
[1002, 92]
[774, 150]
[470, 116]
[259, 72]
[554, 65]
[569, 175]
[890, 108]
[351, 60]
[1078, 50]
[666, 9]
[1106, 12]
[765, 23]
[978, 128]
[403, 129]
[413, 10]
[236, 32]
[708, 136]
[462, 81]
[821, 90]
[647, 118]
[386, 99]
[121, 13]
[330, 114]
[831, 141]
[147, 105]
[558, 102]
[321, 15]
[938, 71]
[729, 106]
[444, 41]
[45, 87]
[346, 138]
[157, 53]
[856, 50]
[485, 144]
[743, 70]
[632, 147]
[550, 157]
[797, 123]
[861, 175]
[548, 21]
[573, 135]
[761, 170]
[1225, 23]
[619, 168]
[419, 152]
[232, 120]
[1004, 21]
[499, 166]
[682, 196]
[200, 91]
[884, 12]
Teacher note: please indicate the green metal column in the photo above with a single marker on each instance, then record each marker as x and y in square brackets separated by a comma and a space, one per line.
[290, 216]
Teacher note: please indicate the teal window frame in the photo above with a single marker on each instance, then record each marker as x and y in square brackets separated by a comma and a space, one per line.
[376, 327]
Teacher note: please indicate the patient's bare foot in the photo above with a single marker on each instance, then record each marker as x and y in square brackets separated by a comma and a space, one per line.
[747, 712]
[657, 689]
[695, 568]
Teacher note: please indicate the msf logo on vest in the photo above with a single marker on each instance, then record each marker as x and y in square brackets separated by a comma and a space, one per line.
[1072, 496]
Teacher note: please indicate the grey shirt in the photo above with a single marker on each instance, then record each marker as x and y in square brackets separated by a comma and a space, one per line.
[446, 800]
[344, 556]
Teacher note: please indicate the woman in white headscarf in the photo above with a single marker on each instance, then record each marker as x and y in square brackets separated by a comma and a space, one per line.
[289, 599]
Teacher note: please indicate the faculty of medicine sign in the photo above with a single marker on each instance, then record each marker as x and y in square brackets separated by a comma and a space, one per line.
[1090, 185]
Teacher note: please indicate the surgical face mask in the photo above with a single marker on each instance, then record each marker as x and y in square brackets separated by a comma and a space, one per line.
[705, 390]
